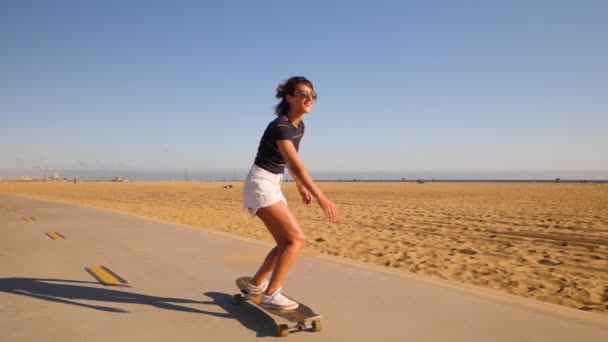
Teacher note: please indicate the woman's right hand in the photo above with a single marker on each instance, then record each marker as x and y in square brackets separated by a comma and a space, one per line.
[330, 209]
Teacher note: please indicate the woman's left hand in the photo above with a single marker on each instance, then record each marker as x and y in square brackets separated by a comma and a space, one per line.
[306, 196]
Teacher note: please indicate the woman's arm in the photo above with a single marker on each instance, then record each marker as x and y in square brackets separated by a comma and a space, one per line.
[306, 196]
[301, 176]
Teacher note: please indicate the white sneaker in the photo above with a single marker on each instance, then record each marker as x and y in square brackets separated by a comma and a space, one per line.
[277, 301]
[257, 290]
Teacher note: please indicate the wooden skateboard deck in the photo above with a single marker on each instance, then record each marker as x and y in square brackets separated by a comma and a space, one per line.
[300, 315]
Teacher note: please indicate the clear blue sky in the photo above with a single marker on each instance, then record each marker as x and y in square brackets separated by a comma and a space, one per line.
[469, 89]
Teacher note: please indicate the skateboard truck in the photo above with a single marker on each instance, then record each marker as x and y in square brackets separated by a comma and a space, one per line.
[284, 329]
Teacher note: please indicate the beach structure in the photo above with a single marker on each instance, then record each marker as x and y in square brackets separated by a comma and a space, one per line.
[56, 177]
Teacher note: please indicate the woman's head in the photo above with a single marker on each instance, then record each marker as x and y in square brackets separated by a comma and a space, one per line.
[296, 94]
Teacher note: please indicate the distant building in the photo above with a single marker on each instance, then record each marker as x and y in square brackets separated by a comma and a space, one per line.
[120, 179]
[56, 177]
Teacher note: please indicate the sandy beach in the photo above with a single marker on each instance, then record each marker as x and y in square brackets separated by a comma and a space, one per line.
[539, 240]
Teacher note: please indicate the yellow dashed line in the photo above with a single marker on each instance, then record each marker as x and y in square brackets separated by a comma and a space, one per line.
[105, 276]
[55, 235]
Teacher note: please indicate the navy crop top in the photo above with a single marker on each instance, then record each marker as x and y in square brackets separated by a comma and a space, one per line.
[269, 156]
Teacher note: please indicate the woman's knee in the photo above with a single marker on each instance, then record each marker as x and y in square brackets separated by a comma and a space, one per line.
[300, 240]
[295, 240]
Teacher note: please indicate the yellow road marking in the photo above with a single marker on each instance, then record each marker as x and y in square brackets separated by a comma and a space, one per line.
[55, 235]
[105, 276]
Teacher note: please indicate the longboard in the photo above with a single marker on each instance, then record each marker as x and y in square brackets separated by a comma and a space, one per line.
[301, 315]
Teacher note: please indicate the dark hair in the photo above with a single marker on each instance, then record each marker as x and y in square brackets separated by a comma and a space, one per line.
[288, 88]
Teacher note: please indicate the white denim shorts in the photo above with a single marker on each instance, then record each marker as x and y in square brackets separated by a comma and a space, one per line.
[262, 188]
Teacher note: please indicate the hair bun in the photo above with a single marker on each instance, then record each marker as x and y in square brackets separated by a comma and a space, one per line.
[280, 91]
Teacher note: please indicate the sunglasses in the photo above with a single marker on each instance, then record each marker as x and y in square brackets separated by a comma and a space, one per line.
[307, 94]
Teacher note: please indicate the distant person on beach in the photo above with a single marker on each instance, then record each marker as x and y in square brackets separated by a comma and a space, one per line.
[262, 194]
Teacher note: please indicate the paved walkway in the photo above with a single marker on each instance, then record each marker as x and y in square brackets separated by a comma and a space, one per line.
[178, 283]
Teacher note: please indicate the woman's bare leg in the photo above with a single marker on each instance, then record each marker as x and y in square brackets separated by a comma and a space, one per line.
[266, 268]
[290, 240]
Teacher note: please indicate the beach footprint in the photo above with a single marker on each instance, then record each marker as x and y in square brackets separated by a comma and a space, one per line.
[467, 251]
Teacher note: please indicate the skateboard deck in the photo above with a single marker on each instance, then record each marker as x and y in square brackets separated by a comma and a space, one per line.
[301, 315]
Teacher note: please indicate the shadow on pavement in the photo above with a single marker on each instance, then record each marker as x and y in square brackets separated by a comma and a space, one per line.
[69, 291]
[247, 314]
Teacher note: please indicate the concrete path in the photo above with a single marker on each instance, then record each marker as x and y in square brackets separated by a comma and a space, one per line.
[180, 281]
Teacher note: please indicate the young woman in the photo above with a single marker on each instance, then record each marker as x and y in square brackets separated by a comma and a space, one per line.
[262, 194]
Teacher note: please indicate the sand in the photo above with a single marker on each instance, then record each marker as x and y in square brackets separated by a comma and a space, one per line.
[544, 241]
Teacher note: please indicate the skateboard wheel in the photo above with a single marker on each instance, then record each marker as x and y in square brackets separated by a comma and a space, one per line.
[316, 325]
[237, 298]
[282, 330]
